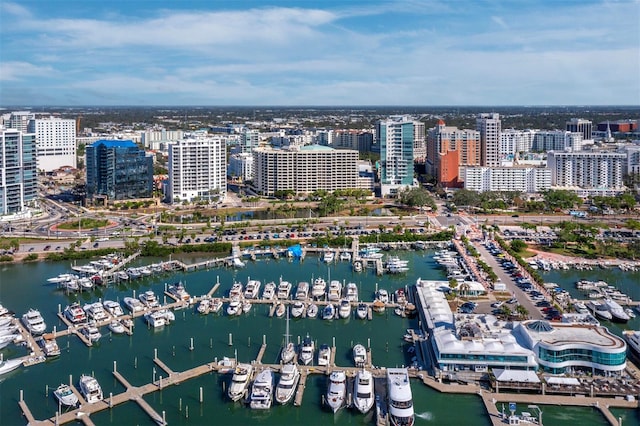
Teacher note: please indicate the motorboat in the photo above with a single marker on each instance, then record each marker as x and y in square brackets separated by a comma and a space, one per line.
[65, 396]
[261, 396]
[113, 308]
[344, 309]
[145, 271]
[319, 287]
[91, 333]
[288, 353]
[149, 299]
[337, 390]
[71, 285]
[116, 327]
[363, 395]
[394, 265]
[236, 290]
[312, 310]
[359, 355]
[240, 381]
[34, 322]
[122, 275]
[246, 306]
[378, 306]
[345, 256]
[297, 309]
[329, 312]
[133, 273]
[75, 313]
[617, 312]
[8, 365]
[324, 355]
[49, 347]
[280, 310]
[133, 304]
[7, 339]
[335, 291]
[269, 291]
[633, 340]
[401, 297]
[600, 310]
[178, 292]
[237, 263]
[95, 312]
[204, 306]
[357, 266]
[234, 307]
[580, 308]
[90, 389]
[252, 290]
[216, 305]
[351, 293]
[286, 388]
[307, 350]
[85, 282]
[329, 256]
[302, 291]
[5, 319]
[400, 400]
[284, 289]
[362, 310]
[62, 278]
[155, 319]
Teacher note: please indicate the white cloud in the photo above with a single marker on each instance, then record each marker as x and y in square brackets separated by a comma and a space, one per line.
[16, 70]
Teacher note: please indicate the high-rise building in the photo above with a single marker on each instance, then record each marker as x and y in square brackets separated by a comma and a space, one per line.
[512, 141]
[395, 136]
[19, 120]
[578, 125]
[490, 127]
[522, 179]
[160, 139]
[449, 148]
[240, 166]
[595, 172]
[249, 139]
[118, 170]
[419, 142]
[304, 169]
[557, 140]
[55, 142]
[198, 169]
[18, 173]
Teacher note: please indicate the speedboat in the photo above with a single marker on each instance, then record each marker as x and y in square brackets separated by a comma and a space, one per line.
[324, 355]
[289, 378]
[8, 365]
[302, 291]
[133, 304]
[116, 327]
[75, 313]
[306, 351]
[149, 299]
[400, 400]
[329, 256]
[329, 312]
[335, 291]
[363, 395]
[65, 396]
[113, 308]
[357, 266]
[319, 287]
[288, 353]
[344, 310]
[351, 292]
[312, 311]
[359, 355]
[91, 333]
[155, 319]
[122, 275]
[297, 309]
[383, 295]
[396, 266]
[234, 307]
[178, 291]
[261, 395]
[240, 381]
[284, 288]
[280, 310]
[337, 390]
[246, 306]
[252, 290]
[49, 347]
[269, 291]
[90, 389]
[34, 322]
[362, 311]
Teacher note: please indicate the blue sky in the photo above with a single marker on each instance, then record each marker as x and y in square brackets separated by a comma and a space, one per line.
[324, 52]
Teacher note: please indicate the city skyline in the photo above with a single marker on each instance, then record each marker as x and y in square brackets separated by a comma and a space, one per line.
[417, 52]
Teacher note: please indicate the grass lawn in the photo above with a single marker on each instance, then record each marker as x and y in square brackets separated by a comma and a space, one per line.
[85, 223]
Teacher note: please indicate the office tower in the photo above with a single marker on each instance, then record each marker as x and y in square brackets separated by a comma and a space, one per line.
[198, 169]
[118, 170]
[578, 125]
[18, 173]
[489, 126]
[396, 138]
[55, 142]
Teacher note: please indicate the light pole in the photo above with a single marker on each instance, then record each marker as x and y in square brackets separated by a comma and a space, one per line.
[538, 411]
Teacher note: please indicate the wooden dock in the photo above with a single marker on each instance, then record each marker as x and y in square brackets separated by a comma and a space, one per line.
[302, 383]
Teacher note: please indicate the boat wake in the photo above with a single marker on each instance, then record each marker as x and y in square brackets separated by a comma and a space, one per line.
[426, 415]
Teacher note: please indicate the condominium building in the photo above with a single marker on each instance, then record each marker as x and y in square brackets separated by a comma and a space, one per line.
[118, 170]
[18, 173]
[304, 169]
[55, 142]
[521, 179]
[449, 148]
[249, 139]
[594, 171]
[514, 141]
[419, 142]
[241, 166]
[557, 140]
[490, 127]
[197, 169]
[578, 125]
[159, 140]
[632, 165]
[395, 136]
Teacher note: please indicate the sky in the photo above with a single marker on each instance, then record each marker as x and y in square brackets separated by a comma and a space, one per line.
[322, 52]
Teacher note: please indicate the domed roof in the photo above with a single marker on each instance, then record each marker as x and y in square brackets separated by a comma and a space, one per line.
[540, 326]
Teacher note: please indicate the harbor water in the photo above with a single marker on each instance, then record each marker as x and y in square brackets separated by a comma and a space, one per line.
[216, 336]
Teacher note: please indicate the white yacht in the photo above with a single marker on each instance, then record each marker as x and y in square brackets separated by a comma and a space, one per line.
[284, 289]
[91, 333]
[363, 395]
[337, 390]
[359, 355]
[9, 364]
[261, 395]
[286, 388]
[7, 339]
[280, 310]
[75, 313]
[324, 355]
[216, 305]
[49, 347]
[600, 310]
[234, 307]
[312, 310]
[344, 309]
[269, 291]
[302, 291]
[351, 293]
[149, 299]
[240, 381]
[204, 306]
[394, 265]
[34, 322]
[307, 350]
[362, 310]
[633, 340]
[133, 304]
[319, 287]
[113, 308]
[90, 389]
[236, 290]
[155, 319]
[400, 399]
[357, 266]
[617, 312]
[297, 309]
[178, 291]
[288, 353]
[65, 396]
[329, 312]
[329, 256]
[95, 311]
[252, 290]
[116, 327]
[335, 291]
[345, 255]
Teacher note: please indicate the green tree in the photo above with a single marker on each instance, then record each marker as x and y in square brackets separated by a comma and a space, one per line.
[518, 245]
[417, 197]
[561, 199]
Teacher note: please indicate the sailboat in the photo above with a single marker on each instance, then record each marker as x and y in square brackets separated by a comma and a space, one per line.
[289, 349]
